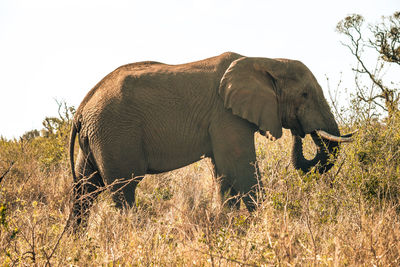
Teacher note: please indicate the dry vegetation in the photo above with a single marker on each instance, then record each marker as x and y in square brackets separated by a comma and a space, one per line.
[349, 216]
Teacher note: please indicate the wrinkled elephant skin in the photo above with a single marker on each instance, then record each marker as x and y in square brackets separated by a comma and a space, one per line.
[150, 117]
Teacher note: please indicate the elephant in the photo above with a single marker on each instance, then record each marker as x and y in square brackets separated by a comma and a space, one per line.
[149, 117]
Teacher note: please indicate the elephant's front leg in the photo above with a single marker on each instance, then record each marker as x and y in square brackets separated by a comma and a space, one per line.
[235, 161]
[230, 196]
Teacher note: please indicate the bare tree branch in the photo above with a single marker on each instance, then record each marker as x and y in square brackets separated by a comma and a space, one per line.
[385, 41]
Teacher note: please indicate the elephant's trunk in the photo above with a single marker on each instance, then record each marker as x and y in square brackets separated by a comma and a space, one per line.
[322, 159]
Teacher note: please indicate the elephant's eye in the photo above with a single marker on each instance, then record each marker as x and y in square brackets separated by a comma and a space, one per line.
[304, 94]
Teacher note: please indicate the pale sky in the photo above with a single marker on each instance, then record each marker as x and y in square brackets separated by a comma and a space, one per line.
[60, 49]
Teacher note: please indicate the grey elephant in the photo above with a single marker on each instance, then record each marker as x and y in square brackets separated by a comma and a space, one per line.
[149, 117]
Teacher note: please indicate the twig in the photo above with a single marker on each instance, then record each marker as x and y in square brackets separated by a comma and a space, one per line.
[241, 263]
[310, 230]
[58, 242]
[7, 171]
[339, 169]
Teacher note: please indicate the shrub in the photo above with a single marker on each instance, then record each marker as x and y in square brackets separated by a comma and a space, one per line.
[348, 216]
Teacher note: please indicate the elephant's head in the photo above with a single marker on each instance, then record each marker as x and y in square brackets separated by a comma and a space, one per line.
[276, 93]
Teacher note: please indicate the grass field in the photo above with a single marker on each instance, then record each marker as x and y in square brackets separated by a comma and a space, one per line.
[346, 217]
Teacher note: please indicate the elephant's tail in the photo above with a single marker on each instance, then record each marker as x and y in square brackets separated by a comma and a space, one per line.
[74, 131]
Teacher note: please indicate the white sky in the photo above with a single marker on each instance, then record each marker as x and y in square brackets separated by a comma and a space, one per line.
[60, 49]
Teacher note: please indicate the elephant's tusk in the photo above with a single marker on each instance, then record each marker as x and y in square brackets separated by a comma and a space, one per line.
[350, 134]
[343, 139]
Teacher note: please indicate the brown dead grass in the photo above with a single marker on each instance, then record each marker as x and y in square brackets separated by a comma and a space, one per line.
[305, 220]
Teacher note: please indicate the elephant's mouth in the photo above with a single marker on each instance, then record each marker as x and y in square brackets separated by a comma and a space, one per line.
[298, 132]
[298, 129]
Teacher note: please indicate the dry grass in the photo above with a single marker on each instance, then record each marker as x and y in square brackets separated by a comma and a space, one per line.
[349, 216]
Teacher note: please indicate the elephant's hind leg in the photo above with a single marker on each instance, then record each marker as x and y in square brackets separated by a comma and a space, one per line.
[123, 189]
[124, 174]
[87, 187]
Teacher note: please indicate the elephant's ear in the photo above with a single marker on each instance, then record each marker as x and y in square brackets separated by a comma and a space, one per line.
[248, 88]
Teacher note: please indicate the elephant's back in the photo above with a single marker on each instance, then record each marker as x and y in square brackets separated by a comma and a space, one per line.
[151, 71]
[147, 90]
[118, 74]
